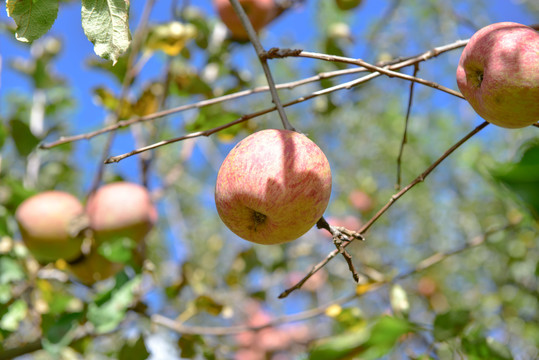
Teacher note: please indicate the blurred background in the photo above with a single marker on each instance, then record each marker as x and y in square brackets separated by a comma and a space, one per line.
[201, 274]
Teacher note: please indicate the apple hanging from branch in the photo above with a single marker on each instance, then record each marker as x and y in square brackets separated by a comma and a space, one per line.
[498, 73]
[47, 222]
[273, 186]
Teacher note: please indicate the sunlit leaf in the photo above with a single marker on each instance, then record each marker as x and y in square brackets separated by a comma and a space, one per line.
[399, 300]
[15, 313]
[118, 250]
[33, 17]
[450, 324]
[365, 343]
[106, 25]
[108, 315]
[10, 270]
[170, 38]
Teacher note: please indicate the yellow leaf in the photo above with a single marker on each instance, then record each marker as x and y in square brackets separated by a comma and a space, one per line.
[170, 38]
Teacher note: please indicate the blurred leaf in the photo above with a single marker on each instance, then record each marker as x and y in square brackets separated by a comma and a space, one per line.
[148, 102]
[478, 348]
[33, 17]
[450, 324]
[209, 305]
[25, 141]
[10, 270]
[134, 350]
[54, 294]
[59, 331]
[108, 315]
[3, 133]
[109, 101]
[364, 343]
[339, 346]
[15, 313]
[119, 250]
[106, 25]
[187, 345]
[186, 81]
[399, 300]
[170, 38]
[214, 116]
[384, 334]
[5, 293]
[522, 177]
[118, 70]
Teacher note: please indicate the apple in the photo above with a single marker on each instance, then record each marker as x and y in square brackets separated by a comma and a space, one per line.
[121, 209]
[273, 186]
[361, 201]
[260, 13]
[498, 73]
[348, 4]
[46, 223]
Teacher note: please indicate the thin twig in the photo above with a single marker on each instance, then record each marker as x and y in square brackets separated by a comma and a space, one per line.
[393, 65]
[405, 134]
[382, 70]
[263, 61]
[423, 265]
[232, 330]
[391, 201]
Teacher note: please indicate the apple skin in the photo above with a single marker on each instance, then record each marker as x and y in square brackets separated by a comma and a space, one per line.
[260, 13]
[347, 4]
[498, 73]
[273, 187]
[44, 221]
[121, 209]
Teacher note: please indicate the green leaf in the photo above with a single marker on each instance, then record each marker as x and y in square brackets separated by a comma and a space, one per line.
[477, 348]
[450, 324]
[366, 344]
[108, 315]
[384, 335]
[33, 17]
[59, 331]
[522, 177]
[10, 270]
[119, 250]
[25, 141]
[3, 133]
[134, 350]
[5, 293]
[106, 25]
[16, 312]
[340, 346]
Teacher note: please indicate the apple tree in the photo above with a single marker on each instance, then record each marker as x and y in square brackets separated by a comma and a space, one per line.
[126, 143]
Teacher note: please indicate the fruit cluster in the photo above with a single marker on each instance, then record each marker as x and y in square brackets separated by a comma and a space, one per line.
[54, 225]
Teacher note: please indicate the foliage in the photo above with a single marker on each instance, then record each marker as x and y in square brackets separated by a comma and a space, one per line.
[449, 271]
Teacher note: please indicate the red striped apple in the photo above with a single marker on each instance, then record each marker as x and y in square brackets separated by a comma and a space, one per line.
[121, 209]
[273, 186]
[498, 74]
[45, 221]
[260, 13]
